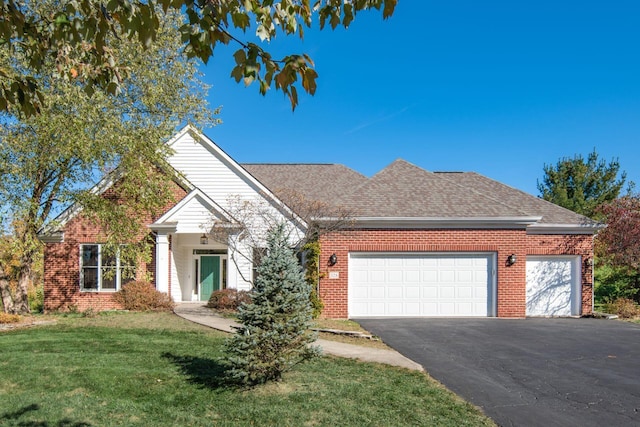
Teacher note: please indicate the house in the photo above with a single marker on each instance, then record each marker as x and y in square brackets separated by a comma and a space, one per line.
[419, 244]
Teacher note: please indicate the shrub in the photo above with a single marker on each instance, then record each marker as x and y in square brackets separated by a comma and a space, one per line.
[228, 299]
[623, 307]
[316, 304]
[9, 318]
[36, 299]
[142, 296]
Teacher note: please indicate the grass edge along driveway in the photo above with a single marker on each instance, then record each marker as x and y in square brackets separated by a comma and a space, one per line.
[157, 369]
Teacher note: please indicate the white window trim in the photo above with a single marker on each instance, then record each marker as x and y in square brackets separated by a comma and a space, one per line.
[99, 267]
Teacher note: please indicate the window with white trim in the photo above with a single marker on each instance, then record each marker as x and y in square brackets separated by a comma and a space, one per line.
[103, 271]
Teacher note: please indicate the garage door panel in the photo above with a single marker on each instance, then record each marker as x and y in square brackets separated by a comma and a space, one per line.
[447, 276]
[464, 292]
[427, 285]
[447, 292]
[412, 292]
[412, 276]
[377, 292]
[552, 287]
[464, 276]
[429, 292]
[378, 276]
[412, 309]
[395, 292]
[429, 276]
[394, 276]
[447, 309]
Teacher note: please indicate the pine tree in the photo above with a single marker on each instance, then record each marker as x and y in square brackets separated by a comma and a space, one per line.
[274, 335]
[582, 185]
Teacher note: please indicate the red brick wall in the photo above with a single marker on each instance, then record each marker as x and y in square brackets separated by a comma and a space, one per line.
[511, 280]
[62, 266]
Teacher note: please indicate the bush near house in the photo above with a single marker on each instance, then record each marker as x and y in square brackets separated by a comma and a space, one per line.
[9, 318]
[142, 296]
[623, 307]
[228, 299]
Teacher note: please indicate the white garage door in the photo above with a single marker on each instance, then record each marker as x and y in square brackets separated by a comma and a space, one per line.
[395, 285]
[553, 286]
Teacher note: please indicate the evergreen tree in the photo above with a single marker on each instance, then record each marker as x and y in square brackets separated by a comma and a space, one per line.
[582, 185]
[274, 335]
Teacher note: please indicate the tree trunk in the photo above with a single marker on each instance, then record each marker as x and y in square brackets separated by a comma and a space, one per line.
[5, 293]
[22, 293]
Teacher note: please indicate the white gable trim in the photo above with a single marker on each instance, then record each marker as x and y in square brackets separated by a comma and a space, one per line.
[235, 167]
[209, 204]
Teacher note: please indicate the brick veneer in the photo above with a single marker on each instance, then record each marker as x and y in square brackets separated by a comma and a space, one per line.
[62, 265]
[511, 280]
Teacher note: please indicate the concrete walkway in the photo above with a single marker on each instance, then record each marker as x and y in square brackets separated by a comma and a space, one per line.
[199, 313]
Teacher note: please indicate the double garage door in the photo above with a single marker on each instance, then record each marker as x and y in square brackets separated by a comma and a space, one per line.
[395, 285]
[455, 285]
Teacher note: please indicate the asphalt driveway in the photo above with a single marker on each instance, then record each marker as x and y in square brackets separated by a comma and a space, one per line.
[529, 372]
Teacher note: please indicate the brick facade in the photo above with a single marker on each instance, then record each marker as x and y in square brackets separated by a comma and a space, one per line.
[511, 279]
[62, 265]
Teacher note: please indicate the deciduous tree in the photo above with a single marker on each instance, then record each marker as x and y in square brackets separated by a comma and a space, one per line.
[76, 38]
[580, 184]
[47, 160]
[617, 246]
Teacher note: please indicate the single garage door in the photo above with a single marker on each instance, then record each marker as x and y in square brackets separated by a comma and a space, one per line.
[401, 284]
[553, 286]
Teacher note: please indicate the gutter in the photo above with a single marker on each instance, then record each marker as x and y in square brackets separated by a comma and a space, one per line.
[519, 222]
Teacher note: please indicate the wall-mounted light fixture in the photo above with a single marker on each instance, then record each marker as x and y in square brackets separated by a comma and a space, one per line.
[588, 262]
[511, 259]
[333, 259]
[204, 240]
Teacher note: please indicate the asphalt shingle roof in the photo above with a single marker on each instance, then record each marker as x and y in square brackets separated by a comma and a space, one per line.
[551, 213]
[322, 182]
[403, 190]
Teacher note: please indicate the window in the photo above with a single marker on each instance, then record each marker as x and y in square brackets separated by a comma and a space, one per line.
[101, 271]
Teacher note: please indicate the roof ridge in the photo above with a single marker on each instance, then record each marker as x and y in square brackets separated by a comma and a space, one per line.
[292, 163]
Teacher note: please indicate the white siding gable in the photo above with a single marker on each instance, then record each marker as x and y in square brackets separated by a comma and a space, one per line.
[195, 216]
[211, 170]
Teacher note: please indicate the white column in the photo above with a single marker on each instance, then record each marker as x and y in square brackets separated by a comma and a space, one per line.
[162, 262]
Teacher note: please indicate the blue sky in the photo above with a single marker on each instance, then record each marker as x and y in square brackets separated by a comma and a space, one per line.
[496, 87]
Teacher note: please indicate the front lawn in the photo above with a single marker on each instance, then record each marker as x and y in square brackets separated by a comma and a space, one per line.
[158, 369]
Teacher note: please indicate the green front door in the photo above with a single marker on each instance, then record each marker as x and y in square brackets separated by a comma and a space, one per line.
[209, 276]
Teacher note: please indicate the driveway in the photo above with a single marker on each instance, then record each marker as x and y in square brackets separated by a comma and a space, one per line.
[529, 372]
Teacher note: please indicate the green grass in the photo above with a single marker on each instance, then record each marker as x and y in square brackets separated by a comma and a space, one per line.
[160, 370]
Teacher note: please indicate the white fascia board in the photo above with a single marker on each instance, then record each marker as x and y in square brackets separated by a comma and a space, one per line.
[565, 228]
[53, 237]
[167, 227]
[520, 222]
[235, 166]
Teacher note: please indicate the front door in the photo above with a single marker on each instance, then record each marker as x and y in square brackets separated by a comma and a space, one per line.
[209, 276]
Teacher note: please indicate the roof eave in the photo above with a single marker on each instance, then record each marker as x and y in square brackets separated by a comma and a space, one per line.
[52, 237]
[565, 228]
[520, 222]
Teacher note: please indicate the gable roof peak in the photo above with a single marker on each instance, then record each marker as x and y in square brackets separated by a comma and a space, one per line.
[398, 166]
